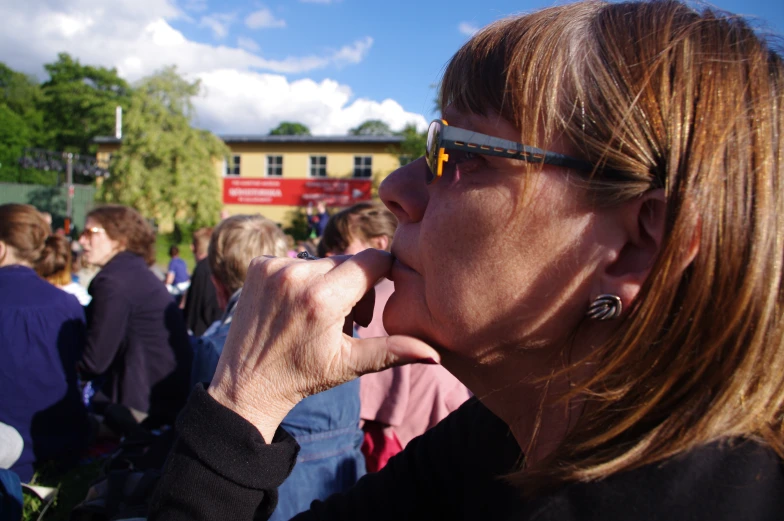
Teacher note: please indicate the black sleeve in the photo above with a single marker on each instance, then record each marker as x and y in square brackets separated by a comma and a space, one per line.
[450, 472]
[220, 467]
[107, 320]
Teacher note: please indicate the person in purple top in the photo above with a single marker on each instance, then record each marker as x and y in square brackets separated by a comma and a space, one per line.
[42, 331]
[178, 272]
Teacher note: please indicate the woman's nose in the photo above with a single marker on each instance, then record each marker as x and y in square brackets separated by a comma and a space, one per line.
[404, 191]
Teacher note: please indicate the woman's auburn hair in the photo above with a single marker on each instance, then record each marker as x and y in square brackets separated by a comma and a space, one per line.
[363, 221]
[23, 228]
[690, 101]
[127, 226]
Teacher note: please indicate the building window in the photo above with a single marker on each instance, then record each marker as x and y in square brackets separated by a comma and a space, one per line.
[318, 166]
[363, 166]
[275, 166]
[233, 165]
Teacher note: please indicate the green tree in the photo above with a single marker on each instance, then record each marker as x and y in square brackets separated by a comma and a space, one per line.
[22, 95]
[79, 103]
[287, 128]
[165, 167]
[413, 145]
[21, 126]
[372, 127]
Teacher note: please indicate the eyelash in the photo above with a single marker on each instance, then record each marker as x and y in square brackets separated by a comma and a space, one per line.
[467, 161]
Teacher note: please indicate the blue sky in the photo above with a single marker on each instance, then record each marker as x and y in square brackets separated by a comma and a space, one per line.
[412, 41]
[329, 64]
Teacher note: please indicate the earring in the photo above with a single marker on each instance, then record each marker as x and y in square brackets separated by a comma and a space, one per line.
[605, 307]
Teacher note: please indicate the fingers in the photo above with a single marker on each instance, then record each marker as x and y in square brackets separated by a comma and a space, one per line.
[375, 354]
[356, 275]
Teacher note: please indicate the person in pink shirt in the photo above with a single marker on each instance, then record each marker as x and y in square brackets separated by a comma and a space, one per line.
[400, 403]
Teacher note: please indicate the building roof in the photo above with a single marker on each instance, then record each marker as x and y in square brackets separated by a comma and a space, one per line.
[251, 138]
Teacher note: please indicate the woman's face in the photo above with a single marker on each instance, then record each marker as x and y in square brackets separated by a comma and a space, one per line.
[98, 247]
[493, 254]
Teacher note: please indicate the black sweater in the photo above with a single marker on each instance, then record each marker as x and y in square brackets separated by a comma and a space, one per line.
[221, 469]
[201, 303]
[136, 339]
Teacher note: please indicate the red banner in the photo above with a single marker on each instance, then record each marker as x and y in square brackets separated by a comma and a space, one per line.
[294, 192]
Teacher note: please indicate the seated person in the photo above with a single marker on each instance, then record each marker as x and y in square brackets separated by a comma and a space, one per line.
[201, 306]
[42, 332]
[325, 425]
[400, 403]
[55, 267]
[137, 342]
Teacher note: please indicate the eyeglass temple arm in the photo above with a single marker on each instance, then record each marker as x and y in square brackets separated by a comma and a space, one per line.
[466, 140]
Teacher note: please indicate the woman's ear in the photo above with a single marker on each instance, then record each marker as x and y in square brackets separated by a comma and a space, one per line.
[221, 293]
[635, 243]
[380, 242]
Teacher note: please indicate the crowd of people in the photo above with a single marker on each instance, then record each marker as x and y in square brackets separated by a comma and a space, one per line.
[571, 308]
[125, 355]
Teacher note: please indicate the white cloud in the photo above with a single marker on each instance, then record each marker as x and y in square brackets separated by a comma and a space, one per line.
[253, 103]
[244, 91]
[218, 22]
[467, 28]
[194, 6]
[136, 37]
[353, 53]
[263, 18]
[248, 44]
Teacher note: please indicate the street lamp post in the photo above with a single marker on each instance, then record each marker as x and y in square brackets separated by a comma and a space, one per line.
[69, 199]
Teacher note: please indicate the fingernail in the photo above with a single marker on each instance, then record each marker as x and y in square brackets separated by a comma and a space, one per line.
[428, 361]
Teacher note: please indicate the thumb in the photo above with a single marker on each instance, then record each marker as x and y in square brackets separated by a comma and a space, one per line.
[375, 354]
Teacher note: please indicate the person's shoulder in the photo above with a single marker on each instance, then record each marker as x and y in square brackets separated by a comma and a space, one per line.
[44, 299]
[125, 274]
[473, 425]
[724, 480]
[202, 266]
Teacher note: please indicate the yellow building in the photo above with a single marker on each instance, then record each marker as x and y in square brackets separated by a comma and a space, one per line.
[273, 175]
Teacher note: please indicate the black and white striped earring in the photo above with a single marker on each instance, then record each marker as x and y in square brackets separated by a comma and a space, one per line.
[605, 307]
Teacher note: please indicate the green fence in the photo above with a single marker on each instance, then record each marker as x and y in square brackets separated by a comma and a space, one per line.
[51, 199]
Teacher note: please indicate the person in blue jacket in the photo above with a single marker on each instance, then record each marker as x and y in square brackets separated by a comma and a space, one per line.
[42, 331]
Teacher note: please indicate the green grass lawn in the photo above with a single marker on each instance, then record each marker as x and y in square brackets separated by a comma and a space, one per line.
[71, 490]
[162, 244]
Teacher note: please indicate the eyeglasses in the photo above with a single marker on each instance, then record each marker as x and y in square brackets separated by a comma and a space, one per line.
[441, 137]
[89, 232]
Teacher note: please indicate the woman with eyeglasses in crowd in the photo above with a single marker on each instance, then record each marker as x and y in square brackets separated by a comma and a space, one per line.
[42, 332]
[613, 298]
[137, 341]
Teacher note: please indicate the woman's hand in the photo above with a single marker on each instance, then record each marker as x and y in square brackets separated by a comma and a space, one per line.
[287, 338]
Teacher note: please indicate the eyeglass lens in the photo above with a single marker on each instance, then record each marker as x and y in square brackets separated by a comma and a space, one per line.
[431, 150]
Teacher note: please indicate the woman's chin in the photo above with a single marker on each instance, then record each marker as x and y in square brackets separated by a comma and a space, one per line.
[399, 317]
